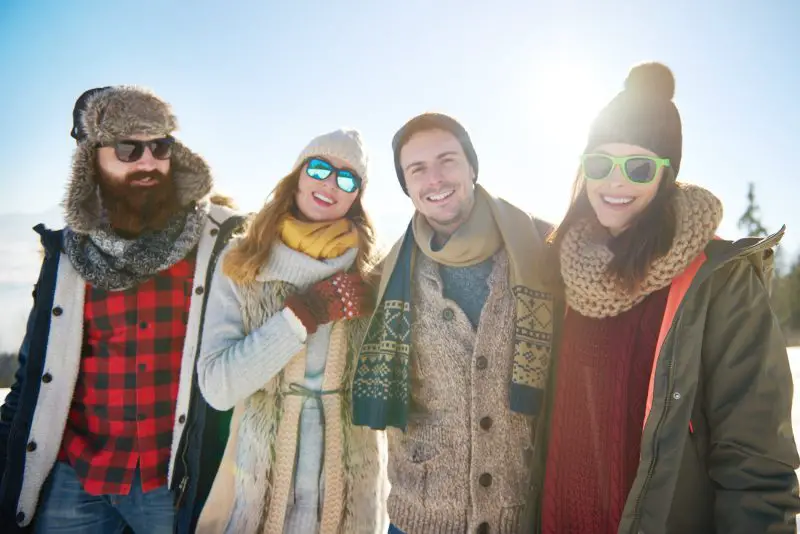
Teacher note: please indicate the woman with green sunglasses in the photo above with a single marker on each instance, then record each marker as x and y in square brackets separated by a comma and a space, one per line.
[288, 305]
[669, 408]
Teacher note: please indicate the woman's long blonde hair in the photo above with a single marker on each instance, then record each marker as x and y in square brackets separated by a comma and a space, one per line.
[246, 258]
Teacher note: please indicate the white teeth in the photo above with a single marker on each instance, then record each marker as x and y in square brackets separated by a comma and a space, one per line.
[618, 200]
[441, 196]
[323, 198]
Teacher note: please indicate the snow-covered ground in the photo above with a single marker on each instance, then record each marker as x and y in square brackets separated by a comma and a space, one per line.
[794, 361]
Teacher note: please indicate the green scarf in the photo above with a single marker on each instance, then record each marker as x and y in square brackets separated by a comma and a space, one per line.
[381, 386]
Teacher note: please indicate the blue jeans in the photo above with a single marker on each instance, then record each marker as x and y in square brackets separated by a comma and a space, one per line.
[394, 530]
[64, 508]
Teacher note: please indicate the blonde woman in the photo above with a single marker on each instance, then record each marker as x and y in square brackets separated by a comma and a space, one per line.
[286, 311]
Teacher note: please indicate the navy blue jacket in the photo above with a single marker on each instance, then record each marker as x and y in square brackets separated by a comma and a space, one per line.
[206, 430]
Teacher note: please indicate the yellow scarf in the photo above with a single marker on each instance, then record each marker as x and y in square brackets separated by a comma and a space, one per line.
[320, 240]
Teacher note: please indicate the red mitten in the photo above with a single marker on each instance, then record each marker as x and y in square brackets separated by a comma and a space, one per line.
[340, 297]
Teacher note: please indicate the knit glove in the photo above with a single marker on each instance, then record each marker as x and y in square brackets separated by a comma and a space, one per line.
[340, 297]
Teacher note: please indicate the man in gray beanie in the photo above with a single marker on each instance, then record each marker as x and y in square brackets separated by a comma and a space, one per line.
[456, 358]
[102, 430]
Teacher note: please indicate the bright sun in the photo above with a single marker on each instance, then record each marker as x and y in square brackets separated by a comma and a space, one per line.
[563, 102]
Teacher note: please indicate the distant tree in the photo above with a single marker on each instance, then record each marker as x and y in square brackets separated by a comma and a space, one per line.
[8, 366]
[791, 288]
[750, 221]
[785, 290]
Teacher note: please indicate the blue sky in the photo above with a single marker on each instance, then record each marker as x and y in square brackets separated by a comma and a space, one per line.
[252, 82]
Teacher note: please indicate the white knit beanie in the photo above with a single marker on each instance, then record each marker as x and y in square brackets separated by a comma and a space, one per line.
[344, 144]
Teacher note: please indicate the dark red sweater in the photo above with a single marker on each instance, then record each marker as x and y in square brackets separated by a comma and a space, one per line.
[596, 427]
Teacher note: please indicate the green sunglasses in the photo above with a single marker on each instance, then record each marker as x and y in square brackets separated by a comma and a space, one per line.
[346, 180]
[637, 169]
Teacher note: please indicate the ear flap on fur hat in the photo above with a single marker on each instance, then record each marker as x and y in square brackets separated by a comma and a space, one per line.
[118, 113]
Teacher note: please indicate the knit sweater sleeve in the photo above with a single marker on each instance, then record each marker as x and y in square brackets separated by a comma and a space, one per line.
[231, 365]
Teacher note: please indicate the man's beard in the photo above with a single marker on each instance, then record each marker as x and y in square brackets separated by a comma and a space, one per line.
[133, 210]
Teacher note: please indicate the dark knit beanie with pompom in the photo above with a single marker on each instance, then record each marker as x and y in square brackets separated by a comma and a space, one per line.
[643, 114]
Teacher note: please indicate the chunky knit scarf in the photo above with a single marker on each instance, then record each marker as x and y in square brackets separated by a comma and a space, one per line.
[381, 387]
[593, 292]
[109, 262]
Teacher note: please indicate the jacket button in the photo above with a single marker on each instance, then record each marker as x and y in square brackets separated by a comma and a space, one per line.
[58, 310]
[31, 446]
[486, 423]
[214, 232]
[198, 290]
[47, 378]
[483, 528]
[448, 314]
[182, 419]
[485, 480]
[20, 517]
[482, 363]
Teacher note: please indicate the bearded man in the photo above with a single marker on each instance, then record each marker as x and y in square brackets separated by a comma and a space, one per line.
[104, 427]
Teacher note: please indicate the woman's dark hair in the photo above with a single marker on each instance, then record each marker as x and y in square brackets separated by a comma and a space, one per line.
[648, 238]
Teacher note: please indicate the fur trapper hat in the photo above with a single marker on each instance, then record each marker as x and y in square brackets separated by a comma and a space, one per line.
[105, 115]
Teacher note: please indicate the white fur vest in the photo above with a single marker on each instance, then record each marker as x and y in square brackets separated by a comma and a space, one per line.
[253, 485]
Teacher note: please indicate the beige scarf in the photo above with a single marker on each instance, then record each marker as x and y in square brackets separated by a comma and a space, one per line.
[477, 240]
[493, 223]
[593, 292]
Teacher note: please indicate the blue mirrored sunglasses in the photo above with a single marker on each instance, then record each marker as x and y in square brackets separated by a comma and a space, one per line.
[346, 180]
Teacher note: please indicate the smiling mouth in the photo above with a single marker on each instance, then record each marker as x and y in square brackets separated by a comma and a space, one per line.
[439, 197]
[144, 182]
[323, 199]
[617, 201]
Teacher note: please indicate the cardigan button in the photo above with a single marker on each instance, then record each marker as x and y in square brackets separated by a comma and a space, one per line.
[199, 290]
[214, 232]
[485, 480]
[47, 378]
[486, 423]
[483, 528]
[482, 363]
[31, 446]
[182, 419]
[58, 310]
[448, 314]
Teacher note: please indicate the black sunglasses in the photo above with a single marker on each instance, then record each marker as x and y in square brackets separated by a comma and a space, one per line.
[346, 180]
[130, 150]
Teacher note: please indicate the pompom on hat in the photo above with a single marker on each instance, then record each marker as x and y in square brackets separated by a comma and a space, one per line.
[643, 114]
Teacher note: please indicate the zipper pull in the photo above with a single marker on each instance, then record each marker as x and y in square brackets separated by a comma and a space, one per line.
[181, 491]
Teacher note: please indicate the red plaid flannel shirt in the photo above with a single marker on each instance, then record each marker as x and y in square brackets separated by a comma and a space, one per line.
[123, 409]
